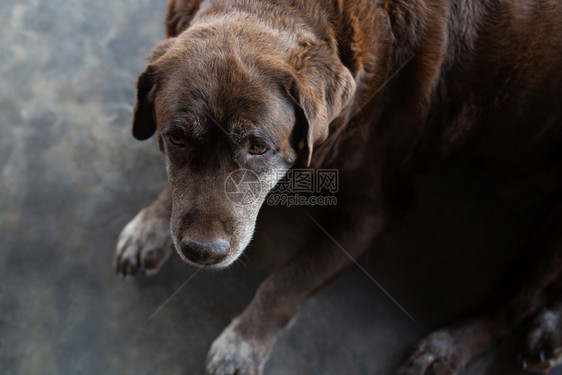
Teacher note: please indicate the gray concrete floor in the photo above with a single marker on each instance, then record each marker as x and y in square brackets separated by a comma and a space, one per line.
[72, 176]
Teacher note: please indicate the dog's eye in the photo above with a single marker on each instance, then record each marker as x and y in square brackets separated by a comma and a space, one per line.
[176, 141]
[257, 150]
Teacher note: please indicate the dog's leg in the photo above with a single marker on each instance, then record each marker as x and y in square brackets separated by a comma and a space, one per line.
[145, 242]
[244, 345]
[447, 350]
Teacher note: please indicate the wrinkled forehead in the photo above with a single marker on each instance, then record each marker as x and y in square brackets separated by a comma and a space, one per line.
[218, 89]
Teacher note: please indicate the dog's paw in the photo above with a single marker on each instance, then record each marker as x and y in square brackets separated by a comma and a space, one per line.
[143, 245]
[232, 354]
[436, 354]
[542, 348]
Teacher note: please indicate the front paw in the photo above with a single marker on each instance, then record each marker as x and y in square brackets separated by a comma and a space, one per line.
[233, 354]
[543, 345]
[436, 354]
[143, 245]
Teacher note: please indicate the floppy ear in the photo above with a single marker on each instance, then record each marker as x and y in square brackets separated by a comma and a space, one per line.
[144, 121]
[322, 87]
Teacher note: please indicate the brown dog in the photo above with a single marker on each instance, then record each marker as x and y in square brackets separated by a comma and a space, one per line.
[376, 89]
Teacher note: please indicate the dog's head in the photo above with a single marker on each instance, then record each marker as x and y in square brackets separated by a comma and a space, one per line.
[232, 106]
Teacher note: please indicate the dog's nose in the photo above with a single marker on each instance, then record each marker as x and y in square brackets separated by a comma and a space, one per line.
[204, 253]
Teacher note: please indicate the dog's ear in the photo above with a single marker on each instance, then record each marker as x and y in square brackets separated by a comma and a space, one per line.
[322, 87]
[144, 121]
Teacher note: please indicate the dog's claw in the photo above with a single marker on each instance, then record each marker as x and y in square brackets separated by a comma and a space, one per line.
[123, 270]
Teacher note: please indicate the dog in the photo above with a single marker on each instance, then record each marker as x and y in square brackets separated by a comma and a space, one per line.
[377, 89]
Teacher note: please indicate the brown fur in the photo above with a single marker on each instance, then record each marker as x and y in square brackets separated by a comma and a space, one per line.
[376, 89]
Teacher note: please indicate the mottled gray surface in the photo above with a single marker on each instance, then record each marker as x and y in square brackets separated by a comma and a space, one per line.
[72, 176]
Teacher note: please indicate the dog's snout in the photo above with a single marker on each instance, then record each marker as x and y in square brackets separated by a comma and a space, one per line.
[204, 253]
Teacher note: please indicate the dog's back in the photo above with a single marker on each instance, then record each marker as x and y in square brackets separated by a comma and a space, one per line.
[499, 96]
